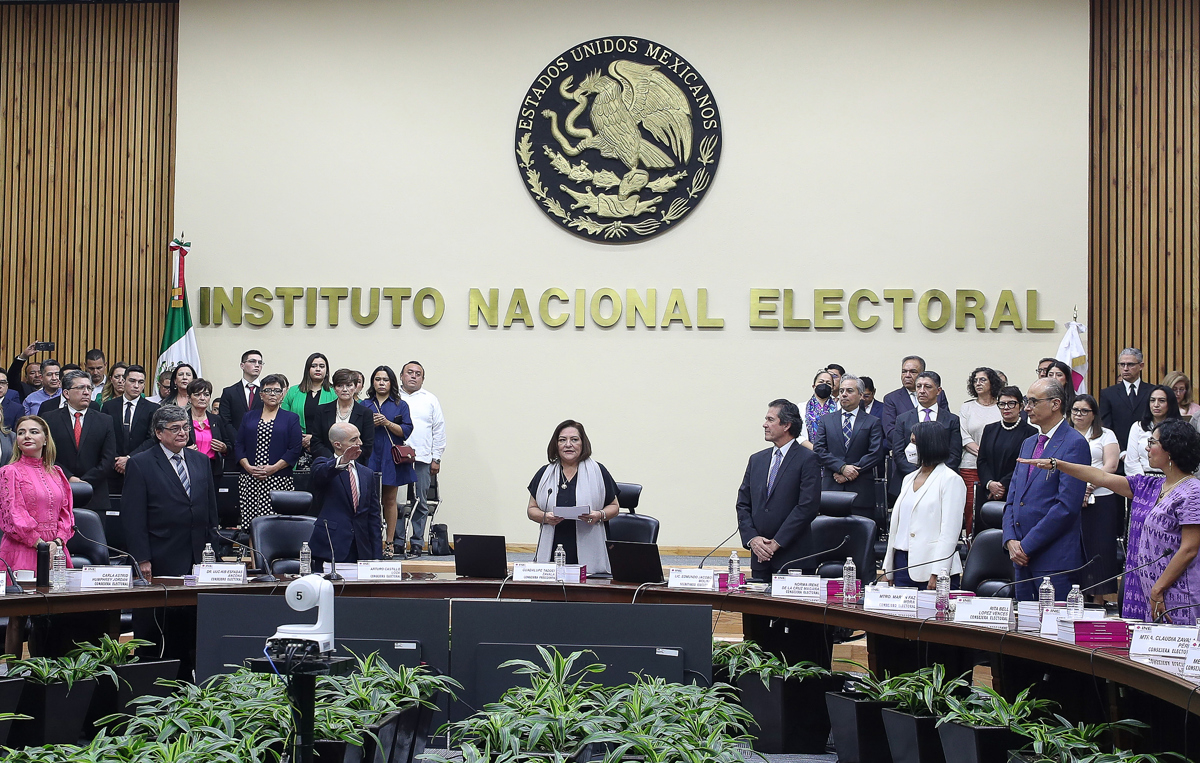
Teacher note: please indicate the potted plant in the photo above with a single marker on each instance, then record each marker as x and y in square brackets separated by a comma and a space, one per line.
[785, 701]
[732, 658]
[55, 698]
[10, 697]
[981, 728]
[133, 678]
[1061, 741]
[912, 724]
[856, 716]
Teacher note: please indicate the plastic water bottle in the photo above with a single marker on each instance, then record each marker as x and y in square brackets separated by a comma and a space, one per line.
[305, 559]
[208, 556]
[560, 556]
[58, 569]
[1075, 603]
[943, 593]
[1045, 597]
[849, 582]
[735, 570]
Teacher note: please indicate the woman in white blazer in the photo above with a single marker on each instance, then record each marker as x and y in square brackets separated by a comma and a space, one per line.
[927, 519]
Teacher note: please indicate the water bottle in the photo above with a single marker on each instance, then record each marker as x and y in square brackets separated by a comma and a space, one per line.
[1045, 597]
[735, 570]
[208, 556]
[560, 556]
[849, 582]
[305, 559]
[943, 593]
[1075, 603]
[58, 569]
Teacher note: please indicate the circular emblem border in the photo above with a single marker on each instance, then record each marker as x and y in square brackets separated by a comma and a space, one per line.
[599, 188]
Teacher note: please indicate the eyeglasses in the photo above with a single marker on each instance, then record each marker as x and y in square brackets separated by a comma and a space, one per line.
[270, 391]
[1151, 441]
[346, 385]
[1030, 402]
[176, 429]
[87, 387]
[1127, 365]
[1081, 411]
[1007, 404]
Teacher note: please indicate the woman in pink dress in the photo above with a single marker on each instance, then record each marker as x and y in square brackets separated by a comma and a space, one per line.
[35, 506]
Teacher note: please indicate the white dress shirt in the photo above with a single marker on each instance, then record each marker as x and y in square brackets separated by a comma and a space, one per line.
[131, 405]
[933, 412]
[783, 451]
[428, 437]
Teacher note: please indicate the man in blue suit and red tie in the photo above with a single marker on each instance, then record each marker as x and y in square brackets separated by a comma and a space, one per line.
[344, 492]
[1042, 517]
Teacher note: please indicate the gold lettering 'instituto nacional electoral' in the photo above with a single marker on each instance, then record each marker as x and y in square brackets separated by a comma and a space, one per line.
[618, 139]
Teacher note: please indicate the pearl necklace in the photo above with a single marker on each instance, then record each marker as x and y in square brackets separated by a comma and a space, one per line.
[1016, 424]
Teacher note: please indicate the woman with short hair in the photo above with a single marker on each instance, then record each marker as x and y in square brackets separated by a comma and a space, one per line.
[1000, 444]
[1182, 386]
[1162, 406]
[344, 410]
[267, 447]
[210, 435]
[573, 479]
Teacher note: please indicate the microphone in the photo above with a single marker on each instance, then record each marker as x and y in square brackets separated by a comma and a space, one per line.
[13, 586]
[921, 564]
[141, 581]
[333, 573]
[1052, 574]
[266, 577]
[1162, 616]
[845, 540]
[718, 547]
[1165, 554]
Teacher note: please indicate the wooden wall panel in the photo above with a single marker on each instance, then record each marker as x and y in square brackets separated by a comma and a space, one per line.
[87, 127]
[1145, 186]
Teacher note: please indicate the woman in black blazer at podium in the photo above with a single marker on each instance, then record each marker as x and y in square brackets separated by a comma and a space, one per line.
[345, 410]
[210, 435]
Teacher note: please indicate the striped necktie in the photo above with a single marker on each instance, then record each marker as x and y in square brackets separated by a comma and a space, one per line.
[183, 475]
[847, 427]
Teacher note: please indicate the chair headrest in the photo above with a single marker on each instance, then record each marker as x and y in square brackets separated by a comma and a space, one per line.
[835, 503]
[991, 515]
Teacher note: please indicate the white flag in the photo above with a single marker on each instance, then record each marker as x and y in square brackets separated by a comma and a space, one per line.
[1073, 351]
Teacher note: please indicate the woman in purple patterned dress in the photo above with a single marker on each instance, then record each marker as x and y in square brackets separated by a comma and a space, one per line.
[1164, 524]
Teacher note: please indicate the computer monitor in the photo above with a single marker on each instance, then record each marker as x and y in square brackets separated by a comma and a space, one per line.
[480, 556]
[634, 562]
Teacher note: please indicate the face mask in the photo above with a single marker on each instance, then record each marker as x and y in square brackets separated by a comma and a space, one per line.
[823, 390]
[911, 454]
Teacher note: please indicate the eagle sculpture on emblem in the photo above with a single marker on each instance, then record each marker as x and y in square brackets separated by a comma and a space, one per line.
[635, 174]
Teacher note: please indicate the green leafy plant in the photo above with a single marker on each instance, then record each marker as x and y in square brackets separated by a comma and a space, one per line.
[873, 689]
[748, 658]
[111, 651]
[1064, 742]
[68, 670]
[927, 691]
[985, 707]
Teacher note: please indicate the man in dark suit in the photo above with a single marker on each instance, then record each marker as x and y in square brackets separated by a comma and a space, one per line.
[904, 399]
[780, 493]
[929, 408]
[349, 510]
[1126, 401]
[1042, 530]
[238, 398]
[83, 438]
[10, 402]
[849, 444]
[169, 511]
[131, 414]
[32, 380]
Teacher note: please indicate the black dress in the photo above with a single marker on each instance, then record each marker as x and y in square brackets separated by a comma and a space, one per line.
[999, 449]
[564, 532]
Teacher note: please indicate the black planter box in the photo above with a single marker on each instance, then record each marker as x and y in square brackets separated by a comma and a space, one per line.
[410, 744]
[978, 744]
[57, 713]
[10, 698]
[137, 679]
[858, 733]
[912, 738]
[790, 715]
[337, 751]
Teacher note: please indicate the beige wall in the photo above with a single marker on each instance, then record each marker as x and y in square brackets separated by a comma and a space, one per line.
[874, 145]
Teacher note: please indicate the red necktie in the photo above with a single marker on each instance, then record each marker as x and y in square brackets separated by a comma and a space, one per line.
[250, 398]
[78, 428]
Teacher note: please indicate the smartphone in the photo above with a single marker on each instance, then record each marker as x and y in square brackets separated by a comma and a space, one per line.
[43, 346]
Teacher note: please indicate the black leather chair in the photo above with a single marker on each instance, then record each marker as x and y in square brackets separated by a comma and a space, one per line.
[638, 528]
[835, 503]
[81, 494]
[292, 502]
[832, 539]
[988, 568]
[83, 551]
[278, 538]
[628, 495]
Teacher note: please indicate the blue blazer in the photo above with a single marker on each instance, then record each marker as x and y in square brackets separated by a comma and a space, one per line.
[330, 487]
[285, 439]
[1043, 509]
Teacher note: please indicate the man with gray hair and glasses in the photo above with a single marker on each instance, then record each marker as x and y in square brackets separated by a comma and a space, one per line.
[849, 444]
[1126, 401]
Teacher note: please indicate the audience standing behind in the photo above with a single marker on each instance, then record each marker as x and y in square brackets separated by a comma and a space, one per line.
[975, 414]
[1128, 400]
[1000, 445]
[849, 444]
[1181, 385]
[393, 426]
[428, 439]
[268, 444]
[313, 391]
[1103, 510]
[1160, 406]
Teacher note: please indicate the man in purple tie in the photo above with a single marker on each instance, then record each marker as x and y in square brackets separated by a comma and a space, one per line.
[930, 407]
[1042, 515]
[780, 493]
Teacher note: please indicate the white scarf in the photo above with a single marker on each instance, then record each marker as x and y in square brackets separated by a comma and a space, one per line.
[590, 539]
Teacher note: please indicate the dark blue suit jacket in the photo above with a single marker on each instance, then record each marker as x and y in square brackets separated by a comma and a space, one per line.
[162, 523]
[866, 451]
[1043, 512]
[785, 515]
[330, 487]
[13, 409]
[285, 442]
[897, 402]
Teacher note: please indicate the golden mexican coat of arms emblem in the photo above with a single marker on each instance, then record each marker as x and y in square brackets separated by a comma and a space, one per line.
[618, 139]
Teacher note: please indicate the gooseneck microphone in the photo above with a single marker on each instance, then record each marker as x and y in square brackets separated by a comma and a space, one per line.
[845, 540]
[266, 577]
[717, 548]
[919, 564]
[1118, 576]
[333, 573]
[13, 586]
[1051, 575]
[141, 581]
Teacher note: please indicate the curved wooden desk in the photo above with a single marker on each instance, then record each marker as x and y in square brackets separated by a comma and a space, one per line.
[1104, 663]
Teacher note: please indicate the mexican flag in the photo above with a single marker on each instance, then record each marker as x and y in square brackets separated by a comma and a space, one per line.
[179, 338]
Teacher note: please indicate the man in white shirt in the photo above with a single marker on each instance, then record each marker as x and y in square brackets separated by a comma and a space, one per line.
[428, 439]
[238, 399]
[928, 389]
[131, 415]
